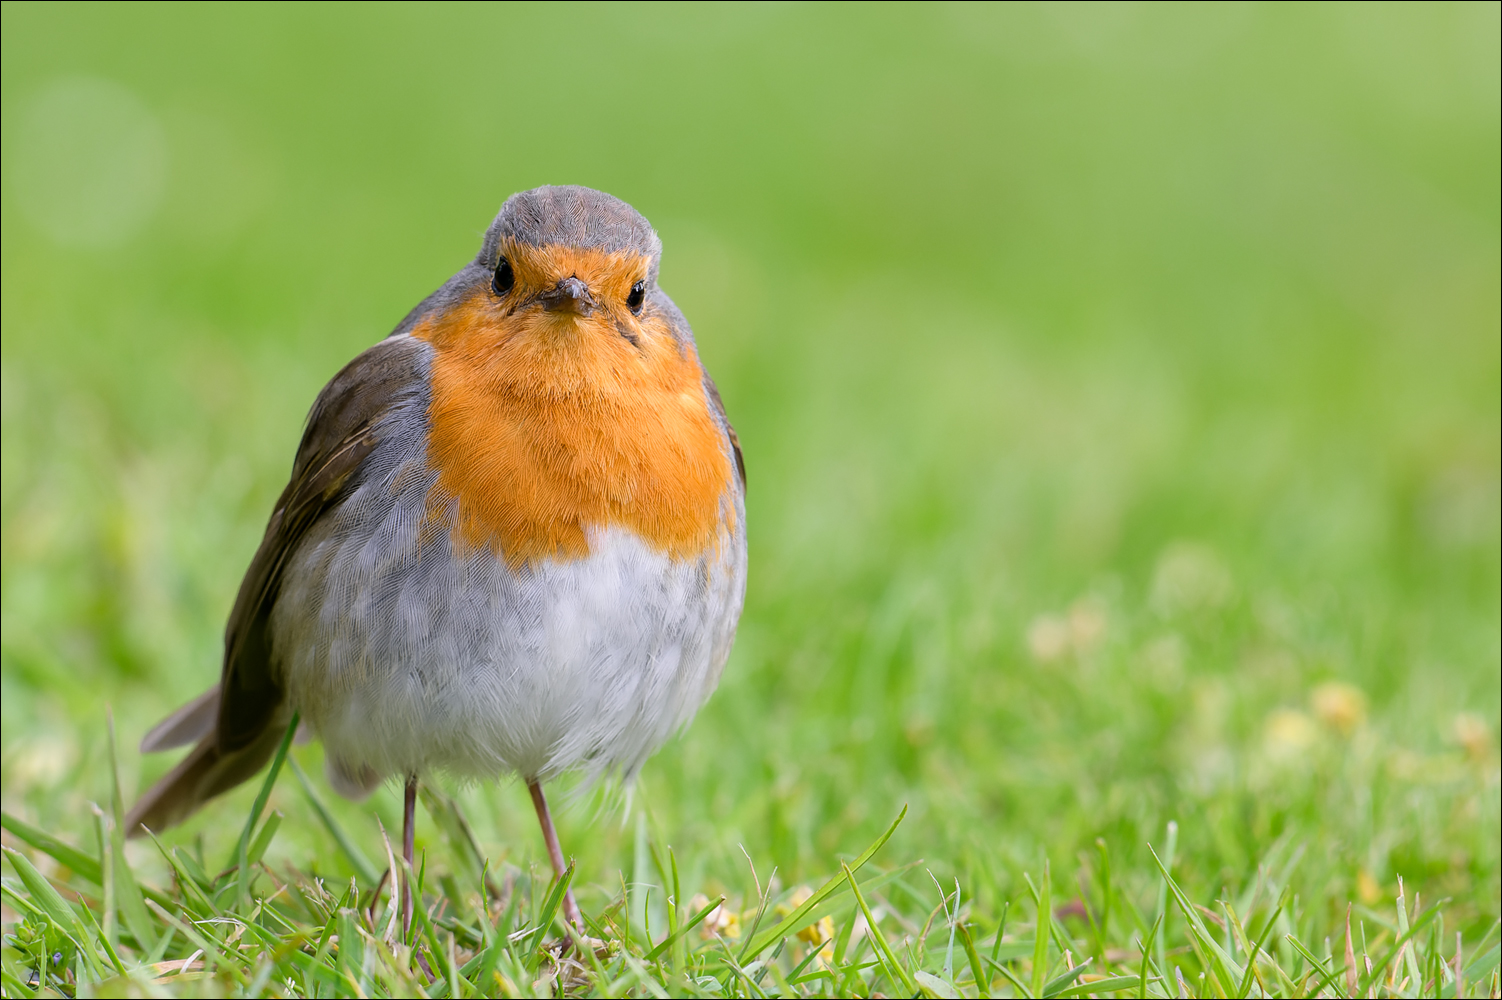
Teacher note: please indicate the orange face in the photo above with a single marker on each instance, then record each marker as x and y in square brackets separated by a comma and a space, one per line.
[557, 407]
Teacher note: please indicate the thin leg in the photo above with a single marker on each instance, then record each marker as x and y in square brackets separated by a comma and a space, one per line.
[555, 853]
[409, 830]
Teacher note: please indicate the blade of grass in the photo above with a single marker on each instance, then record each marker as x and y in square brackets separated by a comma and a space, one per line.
[800, 917]
[1327, 974]
[263, 839]
[1001, 930]
[1147, 950]
[1398, 945]
[110, 910]
[211, 950]
[1110, 985]
[1022, 987]
[678, 934]
[763, 900]
[241, 860]
[127, 890]
[46, 898]
[1058, 983]
[97, 934]
[670, 891]
[1251, 962]
[675, 908]
[953, 920]
[70, 857]
[1170, 850]
[936, 986]
[191, 891]
[1042, 932]
[357, 859]
[1103, 930]
[982, 981]
[1224, 969]
[896, 971]
[450, 819]
[1407, 955]
[550, 908]
[190, 865]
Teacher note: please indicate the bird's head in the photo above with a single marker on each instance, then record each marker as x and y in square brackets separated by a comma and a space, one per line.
[563, 294]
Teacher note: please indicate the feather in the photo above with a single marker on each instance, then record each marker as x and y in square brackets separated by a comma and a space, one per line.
[188, 724]
[206, 772]
[237, 724]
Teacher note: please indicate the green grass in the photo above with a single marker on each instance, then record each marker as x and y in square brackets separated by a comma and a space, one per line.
[1120, 395]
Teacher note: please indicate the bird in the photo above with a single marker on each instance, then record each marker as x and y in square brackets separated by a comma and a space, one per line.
[513, 541]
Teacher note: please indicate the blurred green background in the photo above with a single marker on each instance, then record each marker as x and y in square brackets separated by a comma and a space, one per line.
[1119, 388]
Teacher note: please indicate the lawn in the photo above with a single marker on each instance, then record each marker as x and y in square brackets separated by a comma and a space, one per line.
[1119, 389]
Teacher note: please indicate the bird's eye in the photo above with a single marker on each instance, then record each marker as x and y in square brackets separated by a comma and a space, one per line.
[638, 296]
[504, 277]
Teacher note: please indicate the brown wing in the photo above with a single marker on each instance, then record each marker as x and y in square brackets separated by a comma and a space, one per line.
[735, 442]
[251, 717]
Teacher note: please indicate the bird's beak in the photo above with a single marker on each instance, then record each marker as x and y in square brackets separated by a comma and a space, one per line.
[569, 295]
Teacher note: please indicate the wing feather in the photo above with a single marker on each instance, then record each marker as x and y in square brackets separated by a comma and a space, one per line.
[343, 428]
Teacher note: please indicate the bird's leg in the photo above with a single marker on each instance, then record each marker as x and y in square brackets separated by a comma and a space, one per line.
[555, 853]
[409, 824]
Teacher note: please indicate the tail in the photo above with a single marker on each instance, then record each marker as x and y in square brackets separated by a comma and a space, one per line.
[206, 772]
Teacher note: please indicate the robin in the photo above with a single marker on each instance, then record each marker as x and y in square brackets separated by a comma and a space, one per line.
[514, 540]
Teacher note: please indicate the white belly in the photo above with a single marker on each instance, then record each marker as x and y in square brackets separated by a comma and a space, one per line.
[405, 659]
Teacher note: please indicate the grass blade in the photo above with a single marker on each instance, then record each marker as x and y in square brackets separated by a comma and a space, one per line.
[211, 950]
[1058, 984]
[1147, 951]
[128, 893]
[1111, 985]
[677, 935]
[241, 861]
[1251, 962]
[1327, 974]
[358, 861]
[263, 839]
[1222, 967]
[44, 896]
[982, 981]
[896, 971]
[1170, 851]
[550, 909]
[800, 917]
[1042, 931]
[72, 858]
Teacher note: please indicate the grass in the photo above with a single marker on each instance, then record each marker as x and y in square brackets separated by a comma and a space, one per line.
[1120, 393]
[250, 930]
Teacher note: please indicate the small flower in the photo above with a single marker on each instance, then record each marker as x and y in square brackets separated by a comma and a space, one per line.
[1052, 637]
[1087, 626]
[1288, 732]
[820, 933]
[722, 921]
[1338, 705]
[1048, 638]
[1473, 734]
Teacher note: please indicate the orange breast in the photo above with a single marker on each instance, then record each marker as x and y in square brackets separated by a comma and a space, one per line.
[543, 427]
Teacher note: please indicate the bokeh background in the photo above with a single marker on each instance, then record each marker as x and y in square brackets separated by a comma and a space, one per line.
[1119, 388]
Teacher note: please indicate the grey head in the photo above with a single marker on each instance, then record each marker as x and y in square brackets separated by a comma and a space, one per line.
[572, 216]
[557, 215]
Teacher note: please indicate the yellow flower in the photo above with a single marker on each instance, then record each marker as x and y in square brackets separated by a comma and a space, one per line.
[1340, 706]
[1473, 734]
[1288, 732]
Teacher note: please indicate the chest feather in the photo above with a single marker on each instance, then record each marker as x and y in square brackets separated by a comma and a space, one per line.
[540, 432]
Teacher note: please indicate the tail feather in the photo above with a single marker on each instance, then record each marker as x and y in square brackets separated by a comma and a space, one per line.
[206, 772]
[188, 724]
